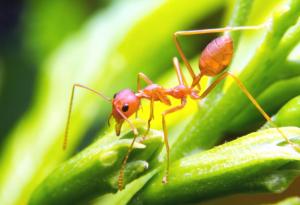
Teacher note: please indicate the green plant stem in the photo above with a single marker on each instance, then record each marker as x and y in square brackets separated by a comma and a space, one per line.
[289, 114]
[272, 99]
[291, 69]
[261, 161]
[288, 42]
[240, 15]
[95, 170]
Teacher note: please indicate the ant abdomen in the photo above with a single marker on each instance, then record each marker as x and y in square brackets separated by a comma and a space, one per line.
[216, 56]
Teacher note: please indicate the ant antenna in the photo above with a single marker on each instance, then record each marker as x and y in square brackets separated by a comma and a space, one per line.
[76, 85]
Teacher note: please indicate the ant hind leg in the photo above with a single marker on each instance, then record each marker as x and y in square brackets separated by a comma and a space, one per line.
[253, 101]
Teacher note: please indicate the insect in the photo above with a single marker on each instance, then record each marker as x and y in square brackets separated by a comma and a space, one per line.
[216, 56]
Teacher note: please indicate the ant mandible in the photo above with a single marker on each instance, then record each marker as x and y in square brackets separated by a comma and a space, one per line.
[216, 56]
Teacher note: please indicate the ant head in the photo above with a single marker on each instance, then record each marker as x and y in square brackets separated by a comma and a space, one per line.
[124, 103]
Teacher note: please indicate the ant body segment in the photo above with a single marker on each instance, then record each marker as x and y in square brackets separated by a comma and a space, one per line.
[216, 56]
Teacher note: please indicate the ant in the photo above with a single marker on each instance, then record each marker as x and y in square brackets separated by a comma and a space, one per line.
[215, 57]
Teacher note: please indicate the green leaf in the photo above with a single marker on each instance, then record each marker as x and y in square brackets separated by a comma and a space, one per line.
[240, 15]
[261, 161]
[106, 54]
[271, 99]
[289, 114]
[95, 170]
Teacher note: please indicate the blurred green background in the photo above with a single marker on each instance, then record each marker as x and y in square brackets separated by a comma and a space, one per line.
[46, 46]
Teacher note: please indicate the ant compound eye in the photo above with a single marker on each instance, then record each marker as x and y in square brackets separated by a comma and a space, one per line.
[125, 108]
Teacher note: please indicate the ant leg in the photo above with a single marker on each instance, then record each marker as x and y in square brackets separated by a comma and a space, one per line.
[217, 30]
[252, 99]
[76, 85]
[143, 77]
[149, 82]
[200, 32]
[151, 117]
[181, 53]
[183, 102]
[135, 133]
[146, 79]
[179, 73]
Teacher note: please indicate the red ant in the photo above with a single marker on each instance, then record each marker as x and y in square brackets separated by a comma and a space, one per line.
[216, 56]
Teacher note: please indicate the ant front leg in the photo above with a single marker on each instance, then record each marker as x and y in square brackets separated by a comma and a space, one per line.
[180, 76]
[201, 32]
[252, 99]
[142, 76]
[164, 114]
[135, 133]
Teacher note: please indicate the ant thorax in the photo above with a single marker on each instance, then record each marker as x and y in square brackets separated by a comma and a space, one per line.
[156, 93]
